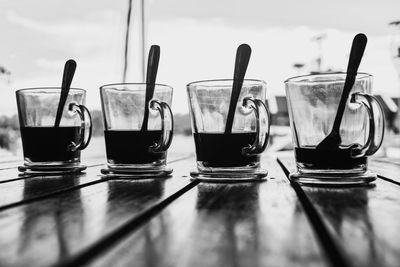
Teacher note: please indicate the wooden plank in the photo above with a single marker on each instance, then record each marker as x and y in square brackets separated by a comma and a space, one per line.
[395, 161]
[12, 165]
[386, 170]
[17, 190]
[9, 163]
[362, 221]
[253, 224]
[57, 228]
[20, 191]
[12, 174]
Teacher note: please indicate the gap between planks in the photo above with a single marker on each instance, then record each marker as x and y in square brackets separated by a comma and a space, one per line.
[64, 190]
[328, 244]
[107, 241]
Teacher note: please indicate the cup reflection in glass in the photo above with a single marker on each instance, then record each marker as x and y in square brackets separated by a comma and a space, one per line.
[313, 101]
[128, 146]
[235, 155]
[43, 144]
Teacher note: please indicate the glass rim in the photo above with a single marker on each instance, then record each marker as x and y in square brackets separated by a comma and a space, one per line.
[109, 86]
[33, 89]
[199, 82]
[296, 79]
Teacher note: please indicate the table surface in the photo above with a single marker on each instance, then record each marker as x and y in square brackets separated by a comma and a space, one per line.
[90, 220]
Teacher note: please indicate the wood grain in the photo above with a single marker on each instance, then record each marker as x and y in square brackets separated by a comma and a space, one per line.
[13, 184]
[362, 221]
[53, 229]
[254, 224]
[386, 170]
[16, 192]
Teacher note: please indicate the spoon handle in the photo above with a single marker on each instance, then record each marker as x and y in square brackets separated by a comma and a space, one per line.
[152, 65]
[152, 68]
[356, 54]
[68, 75]
[241, 62]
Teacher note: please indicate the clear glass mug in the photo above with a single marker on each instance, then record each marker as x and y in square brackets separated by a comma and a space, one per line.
[47, 147]
[129, 148]
[313, 101]
[234, 156]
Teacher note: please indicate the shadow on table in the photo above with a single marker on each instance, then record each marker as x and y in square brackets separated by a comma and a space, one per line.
[127, 197]
[226, 226]
[346, 212]
[51, 228]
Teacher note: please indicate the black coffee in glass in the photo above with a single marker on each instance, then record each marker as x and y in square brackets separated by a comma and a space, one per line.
[137, 144]
[225, 150]
[313, 106]
[50, 144]
[133, 147]
[228, 152]
[341, 158]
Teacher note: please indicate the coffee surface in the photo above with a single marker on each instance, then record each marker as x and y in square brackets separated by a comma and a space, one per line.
[46, 144]
[132, 147]
[224, 150]
[340, 158]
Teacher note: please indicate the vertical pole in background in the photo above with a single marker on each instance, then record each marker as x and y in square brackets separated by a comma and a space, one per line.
[395, 55]
[143, 39]
[319, 39]
[134, 50]
[395, 45]
[4, 71]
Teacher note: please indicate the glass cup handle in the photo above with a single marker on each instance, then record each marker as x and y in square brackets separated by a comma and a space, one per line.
[86, 126]
[262, 125]
[376, 120]
[167, 126]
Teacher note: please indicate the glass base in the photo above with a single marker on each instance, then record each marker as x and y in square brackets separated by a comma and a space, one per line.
[136, 173]
[51, 170]
[229, 177]
[339, 180]
[113, 165]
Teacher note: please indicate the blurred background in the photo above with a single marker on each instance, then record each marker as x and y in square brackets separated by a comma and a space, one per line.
[198, 39]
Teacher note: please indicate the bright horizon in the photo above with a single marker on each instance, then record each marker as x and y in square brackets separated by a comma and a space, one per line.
[197, 42]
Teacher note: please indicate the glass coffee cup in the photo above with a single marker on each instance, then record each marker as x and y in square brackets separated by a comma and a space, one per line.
[130, 149]
[231, 156]
[313, 101]
[48, 148]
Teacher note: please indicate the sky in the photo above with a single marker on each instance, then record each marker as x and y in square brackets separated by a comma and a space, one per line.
[198, 41]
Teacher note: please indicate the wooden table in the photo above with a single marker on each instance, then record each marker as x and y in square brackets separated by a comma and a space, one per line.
[89, 220]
